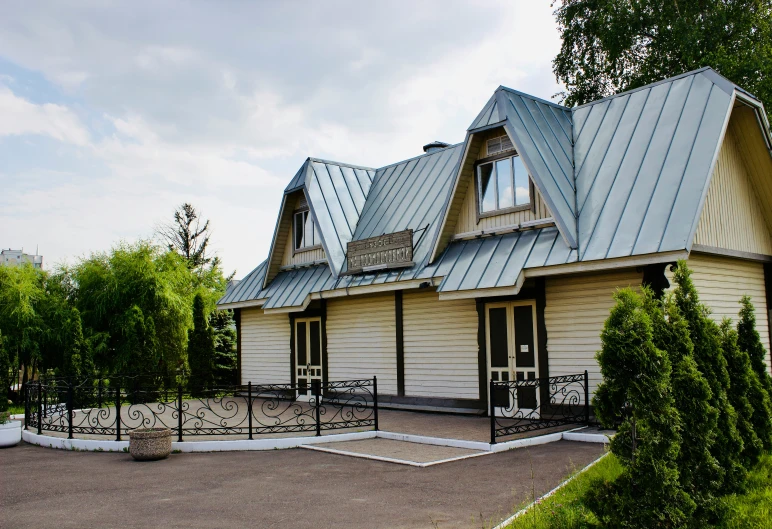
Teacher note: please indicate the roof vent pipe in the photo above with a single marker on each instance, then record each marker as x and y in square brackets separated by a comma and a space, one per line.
[435, 146]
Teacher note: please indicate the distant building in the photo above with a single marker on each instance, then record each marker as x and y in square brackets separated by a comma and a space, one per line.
[15, 257]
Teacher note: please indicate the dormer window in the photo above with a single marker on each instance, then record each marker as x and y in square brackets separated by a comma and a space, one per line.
[306, 236]
[503, 185]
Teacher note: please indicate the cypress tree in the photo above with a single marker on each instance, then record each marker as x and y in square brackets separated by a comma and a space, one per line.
[225, 361]
[740, 374]
[699, 473]
[200, 350]
[635, 390]
[5, 379]
[708, 354]
[748, 340]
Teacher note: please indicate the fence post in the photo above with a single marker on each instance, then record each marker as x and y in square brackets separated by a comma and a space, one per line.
[586, 398]
[375, 402]
[40, 408]
[492, 414]
[316, 390]
[99, 392]
[69, 408]
[249, 407]
[25, 390]
[118, 410]
[179, 412]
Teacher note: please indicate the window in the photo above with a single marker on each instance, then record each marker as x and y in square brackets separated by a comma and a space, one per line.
[306, 235]
[503, 184]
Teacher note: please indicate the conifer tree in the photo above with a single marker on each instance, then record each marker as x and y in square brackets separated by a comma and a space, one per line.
[740, 387]
[5, 378]
[699, 473]
[200, 350]
[635, 390]
[748, 340]
[708, 354]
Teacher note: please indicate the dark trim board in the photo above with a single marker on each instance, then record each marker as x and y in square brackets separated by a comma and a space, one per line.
[701, 248]
[237, 321]
[400, 343]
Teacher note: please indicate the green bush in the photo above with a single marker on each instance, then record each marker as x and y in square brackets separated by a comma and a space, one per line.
[635, 395]
[748, 340]
[699, 473]
[708, 354]
[743, 384]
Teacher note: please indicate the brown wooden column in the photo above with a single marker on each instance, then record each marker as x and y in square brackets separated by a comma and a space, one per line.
[237, 321]
[400, 343]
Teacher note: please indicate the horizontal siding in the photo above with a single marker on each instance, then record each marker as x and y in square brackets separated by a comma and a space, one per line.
[440, 343]
[577, 308]
[265, 347]
[361, 340]
[733, 217]
[722, 281]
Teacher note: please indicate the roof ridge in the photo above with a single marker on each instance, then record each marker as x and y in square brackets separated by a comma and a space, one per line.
[420, 156]
[518, 92]
[342, 164]
[650, 85]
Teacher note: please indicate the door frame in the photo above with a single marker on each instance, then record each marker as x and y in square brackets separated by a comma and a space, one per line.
[534, 289]
[511, 356]
[315, 310]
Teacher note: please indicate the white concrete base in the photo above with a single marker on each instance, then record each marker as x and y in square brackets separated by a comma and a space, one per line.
[10, 433]
[586, 437]
[391, 459]
[437, 441]
[192, 446]
[528, 441]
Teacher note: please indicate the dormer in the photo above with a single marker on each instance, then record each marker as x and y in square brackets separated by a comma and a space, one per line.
[305, 245]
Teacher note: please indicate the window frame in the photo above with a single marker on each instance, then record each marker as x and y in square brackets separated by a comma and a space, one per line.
[521, 207]
[295, 249]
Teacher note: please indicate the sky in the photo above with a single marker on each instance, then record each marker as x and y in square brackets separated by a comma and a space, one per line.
[114, 113]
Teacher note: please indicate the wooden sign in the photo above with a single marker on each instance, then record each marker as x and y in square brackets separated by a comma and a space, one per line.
[393, 250]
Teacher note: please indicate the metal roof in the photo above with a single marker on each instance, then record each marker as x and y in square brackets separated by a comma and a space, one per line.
[542, 134]
[626, 175]
[644, 161]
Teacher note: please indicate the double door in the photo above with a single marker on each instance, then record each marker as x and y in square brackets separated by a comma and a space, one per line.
[511, 345]
[308, 354]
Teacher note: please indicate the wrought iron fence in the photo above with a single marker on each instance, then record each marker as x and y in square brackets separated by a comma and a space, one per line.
[113, 406]
[519, 406]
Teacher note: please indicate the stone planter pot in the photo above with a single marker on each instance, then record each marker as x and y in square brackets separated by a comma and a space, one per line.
[10, 433]
[150, 444]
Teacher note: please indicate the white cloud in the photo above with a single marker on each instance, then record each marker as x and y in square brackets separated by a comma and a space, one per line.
[20, 117]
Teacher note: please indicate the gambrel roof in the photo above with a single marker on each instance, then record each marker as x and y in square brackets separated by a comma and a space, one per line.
[625, 176]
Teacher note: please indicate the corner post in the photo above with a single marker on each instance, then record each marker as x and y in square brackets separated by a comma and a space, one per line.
[69, 408]
[179, 412]
[492, 413]
[586, 397]
[375, 402]
[316, 390]
[249, 407]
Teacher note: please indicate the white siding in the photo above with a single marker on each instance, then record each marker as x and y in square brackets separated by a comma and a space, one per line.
[265, 347]
[362, 340]
[722, 281]
[577, 308]
[441, 347]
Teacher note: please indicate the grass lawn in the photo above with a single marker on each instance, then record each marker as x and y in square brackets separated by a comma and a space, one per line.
[565, 509]
[14, 410]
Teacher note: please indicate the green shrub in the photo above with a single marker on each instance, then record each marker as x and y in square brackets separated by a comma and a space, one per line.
[743, 383]
[708, 354]
[635, 395]
[748, 340]
[699, 473]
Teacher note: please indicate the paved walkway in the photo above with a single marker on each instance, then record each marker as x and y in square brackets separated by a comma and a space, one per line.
[40, 487]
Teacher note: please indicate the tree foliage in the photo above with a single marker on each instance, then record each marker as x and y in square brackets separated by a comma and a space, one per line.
[708, 354]
[136, 302]
[200, 349]
[6, 378]
[749, 341]
[635, 390]
[225, 359]
[187, 236]
[614, 45]
[699, 472]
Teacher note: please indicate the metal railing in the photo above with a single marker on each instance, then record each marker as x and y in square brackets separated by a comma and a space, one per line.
[113, 406]
[520, 406]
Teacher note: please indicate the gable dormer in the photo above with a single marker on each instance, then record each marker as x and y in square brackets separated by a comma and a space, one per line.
[304, 246]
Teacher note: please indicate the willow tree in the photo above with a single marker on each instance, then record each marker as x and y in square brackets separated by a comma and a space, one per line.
[135, 302]
[21, 292]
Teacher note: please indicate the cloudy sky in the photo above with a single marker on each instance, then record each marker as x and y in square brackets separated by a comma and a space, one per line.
[113, 113]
